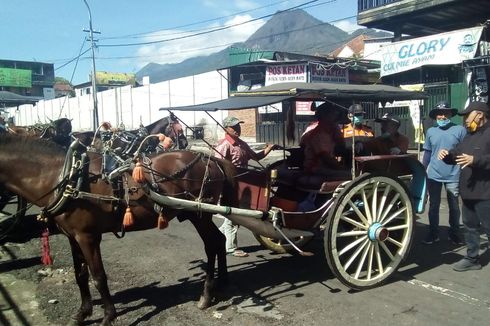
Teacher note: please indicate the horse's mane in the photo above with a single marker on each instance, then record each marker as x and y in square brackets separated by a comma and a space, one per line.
[16, 143]
[161, 128]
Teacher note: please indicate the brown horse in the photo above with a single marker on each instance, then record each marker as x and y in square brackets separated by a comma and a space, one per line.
[33, 168]
[169, 126]
[57, 130]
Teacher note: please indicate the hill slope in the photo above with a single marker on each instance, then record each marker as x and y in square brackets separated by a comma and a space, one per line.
[291, 31]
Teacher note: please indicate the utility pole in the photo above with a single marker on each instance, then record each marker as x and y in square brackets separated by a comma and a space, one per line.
[94, 86]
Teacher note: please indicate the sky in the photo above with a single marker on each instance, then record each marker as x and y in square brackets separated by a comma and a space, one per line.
[134, 33]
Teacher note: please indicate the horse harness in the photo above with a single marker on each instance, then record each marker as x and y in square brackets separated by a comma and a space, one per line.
[73, 177]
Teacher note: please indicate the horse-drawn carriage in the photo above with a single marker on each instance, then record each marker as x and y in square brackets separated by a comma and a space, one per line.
[368, 220]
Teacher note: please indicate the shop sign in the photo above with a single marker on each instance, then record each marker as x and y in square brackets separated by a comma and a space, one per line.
[285, 73]
[328, 73]
[439, 49]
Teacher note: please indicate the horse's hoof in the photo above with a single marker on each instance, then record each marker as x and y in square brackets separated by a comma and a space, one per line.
[204, 303]
[107, 322]
[81, 316]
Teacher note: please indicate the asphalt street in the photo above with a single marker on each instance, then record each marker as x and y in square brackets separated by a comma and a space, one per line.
[155, 277]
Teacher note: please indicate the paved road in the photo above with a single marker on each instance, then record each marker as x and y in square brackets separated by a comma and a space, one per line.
[155, 277]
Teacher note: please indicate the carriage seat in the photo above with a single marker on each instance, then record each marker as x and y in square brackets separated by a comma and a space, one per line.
[317, 183]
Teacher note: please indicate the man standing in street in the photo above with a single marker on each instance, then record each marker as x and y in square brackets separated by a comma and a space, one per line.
[445, 135]
[237, 151]
[473, 155]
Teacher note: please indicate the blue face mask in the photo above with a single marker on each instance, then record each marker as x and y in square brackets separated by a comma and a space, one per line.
[443, 123]
[357, 120]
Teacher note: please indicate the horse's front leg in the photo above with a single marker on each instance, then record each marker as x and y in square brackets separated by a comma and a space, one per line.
[90, 245]
[81, 276]
[220, 243]
[205, 227]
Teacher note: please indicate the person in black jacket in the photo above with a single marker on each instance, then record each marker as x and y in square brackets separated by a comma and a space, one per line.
[473, 155]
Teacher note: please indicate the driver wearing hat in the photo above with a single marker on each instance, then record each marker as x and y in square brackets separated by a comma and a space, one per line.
[321, 142]
[237, 151]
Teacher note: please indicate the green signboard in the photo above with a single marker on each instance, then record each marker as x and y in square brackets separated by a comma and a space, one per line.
[15, 77]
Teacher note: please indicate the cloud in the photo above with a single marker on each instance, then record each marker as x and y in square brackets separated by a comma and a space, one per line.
[179, 50]
[231, 5]
[347, 26]
[245, 4]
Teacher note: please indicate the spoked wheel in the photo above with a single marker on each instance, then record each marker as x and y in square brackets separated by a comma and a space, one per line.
[282, 246]
[369, 230]
[12, 210]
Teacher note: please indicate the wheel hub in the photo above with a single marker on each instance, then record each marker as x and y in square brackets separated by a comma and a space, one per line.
[377, 232]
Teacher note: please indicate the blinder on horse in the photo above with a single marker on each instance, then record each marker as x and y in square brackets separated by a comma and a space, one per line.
[175, 131]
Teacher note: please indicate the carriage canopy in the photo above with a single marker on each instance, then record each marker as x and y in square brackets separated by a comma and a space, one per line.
[305, 92]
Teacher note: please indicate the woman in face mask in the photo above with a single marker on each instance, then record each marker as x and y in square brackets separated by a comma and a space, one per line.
[473, 156]
[445, 134]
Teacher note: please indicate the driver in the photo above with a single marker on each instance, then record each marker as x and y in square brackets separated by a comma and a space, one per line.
[321, 143]
[237, 151]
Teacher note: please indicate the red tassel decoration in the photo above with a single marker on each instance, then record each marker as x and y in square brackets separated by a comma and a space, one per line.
[46, 257]
[138, 173]
[128, 219]
[162, 222]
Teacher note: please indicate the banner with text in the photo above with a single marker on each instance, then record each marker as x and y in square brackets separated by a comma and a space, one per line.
[285, 73]
[439, 49]
[320, 73]
[15, 77]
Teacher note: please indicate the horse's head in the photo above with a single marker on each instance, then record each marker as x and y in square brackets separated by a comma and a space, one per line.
[175, 131]
[170, 127]
[59, 131]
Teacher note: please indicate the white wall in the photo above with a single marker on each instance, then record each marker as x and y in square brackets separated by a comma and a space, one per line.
[132, 106]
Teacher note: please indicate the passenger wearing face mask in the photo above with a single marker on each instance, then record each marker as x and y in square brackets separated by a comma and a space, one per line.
[356, 128]
[473, 155]
[444, 135]
[391, 142]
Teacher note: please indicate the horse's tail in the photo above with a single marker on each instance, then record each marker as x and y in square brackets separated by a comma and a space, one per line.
[229, 196]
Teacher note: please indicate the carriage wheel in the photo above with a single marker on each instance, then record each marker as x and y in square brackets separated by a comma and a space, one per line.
[369, 230]
[282, 246]
[12, 210]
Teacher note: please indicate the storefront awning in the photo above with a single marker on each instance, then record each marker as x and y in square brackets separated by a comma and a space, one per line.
[233, 103]
[9, 98]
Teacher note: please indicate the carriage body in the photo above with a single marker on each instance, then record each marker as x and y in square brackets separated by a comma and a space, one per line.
[368, 222]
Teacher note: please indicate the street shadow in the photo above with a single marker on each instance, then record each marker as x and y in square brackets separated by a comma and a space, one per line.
[16, 264]
[26, 229]
[263, 276]
[10, 305]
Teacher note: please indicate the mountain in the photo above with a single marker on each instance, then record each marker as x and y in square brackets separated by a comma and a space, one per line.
[291, 31]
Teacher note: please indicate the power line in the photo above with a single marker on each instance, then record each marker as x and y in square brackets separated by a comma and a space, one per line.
[71, 60]
[305, 7]
[210, 31]
[228, 44]
[143, 34]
